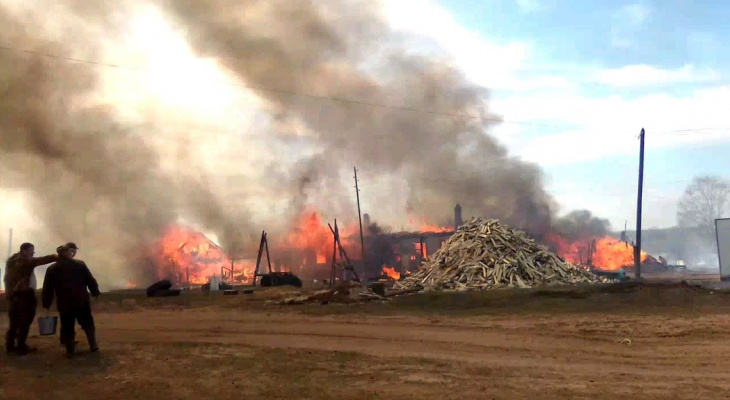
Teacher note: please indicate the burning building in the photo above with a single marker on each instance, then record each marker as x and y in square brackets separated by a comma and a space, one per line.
[395, 254]
[185, 256]
[398, 253]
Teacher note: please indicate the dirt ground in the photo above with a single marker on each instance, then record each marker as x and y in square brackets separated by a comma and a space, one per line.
[644, 341]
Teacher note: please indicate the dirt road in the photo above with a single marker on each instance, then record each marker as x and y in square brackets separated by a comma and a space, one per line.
[185, 353]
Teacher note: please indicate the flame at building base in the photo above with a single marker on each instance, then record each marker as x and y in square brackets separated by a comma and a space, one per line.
[604, 253]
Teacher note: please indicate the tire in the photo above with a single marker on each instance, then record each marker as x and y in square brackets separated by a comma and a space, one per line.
[280, 279]
[156, 287]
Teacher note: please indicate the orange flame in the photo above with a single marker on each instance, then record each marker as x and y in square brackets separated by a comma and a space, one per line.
[609, 255]
[391, 272]
[182, 251]
[422, 226]
[310, 232]
[612, 255]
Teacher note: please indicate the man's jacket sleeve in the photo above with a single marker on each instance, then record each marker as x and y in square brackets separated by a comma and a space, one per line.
[91, 282]
[48, 288]
[38, 261]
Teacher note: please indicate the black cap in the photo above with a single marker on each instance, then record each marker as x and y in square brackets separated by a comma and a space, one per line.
[71, 245]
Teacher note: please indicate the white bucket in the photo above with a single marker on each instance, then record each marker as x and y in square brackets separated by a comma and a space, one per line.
[47, 325]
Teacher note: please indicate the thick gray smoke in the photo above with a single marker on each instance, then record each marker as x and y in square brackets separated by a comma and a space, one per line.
[94, 180]
[107, 183]
[580, 224]
[342, 49]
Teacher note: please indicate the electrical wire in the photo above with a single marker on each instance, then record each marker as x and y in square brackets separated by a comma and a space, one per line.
[676, 132]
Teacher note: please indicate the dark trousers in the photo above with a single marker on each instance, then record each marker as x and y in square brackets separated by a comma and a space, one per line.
[69, 317]
[21, 312]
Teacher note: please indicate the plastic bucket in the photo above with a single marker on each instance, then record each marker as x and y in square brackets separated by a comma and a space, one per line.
[47, 325]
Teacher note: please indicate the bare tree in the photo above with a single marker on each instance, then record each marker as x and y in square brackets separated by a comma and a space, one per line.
[704, 200]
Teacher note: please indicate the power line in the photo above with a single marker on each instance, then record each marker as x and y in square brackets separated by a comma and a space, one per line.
[691, 131]
[678, 132]
[264, 89]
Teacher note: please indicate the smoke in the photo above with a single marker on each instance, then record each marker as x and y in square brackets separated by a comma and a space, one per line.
[343, 49]
[697, 250]
[94, 179]
[114, 185]
[580, 224]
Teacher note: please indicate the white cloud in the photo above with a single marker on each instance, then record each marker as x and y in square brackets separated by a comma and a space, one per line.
[608, 126]
[486, 62]
[647, 75]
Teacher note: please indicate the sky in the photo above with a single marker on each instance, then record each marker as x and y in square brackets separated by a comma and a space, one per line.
[576, 81]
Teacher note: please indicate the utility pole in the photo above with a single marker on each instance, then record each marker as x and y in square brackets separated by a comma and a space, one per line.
[359, 217]
[637, 247]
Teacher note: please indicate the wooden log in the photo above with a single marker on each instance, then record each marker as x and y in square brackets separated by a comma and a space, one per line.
[483, 254]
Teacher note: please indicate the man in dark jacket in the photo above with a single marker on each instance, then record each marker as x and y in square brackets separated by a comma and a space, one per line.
[67, 281]
[21, 297]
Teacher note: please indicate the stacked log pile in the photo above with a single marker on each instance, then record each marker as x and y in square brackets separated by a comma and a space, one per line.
[484, 254]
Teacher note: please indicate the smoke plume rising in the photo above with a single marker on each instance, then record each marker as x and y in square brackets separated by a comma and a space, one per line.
[112, 184]
[344, 50]
[95, 180]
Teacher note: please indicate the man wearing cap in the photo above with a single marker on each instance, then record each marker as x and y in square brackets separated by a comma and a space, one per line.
[67, 280]
[19, 278]
[69, 250]
[72, 248]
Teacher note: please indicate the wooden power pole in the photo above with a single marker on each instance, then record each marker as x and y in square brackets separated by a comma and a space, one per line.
[359, 217]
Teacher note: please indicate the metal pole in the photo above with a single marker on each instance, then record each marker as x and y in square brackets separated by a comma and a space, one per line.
[359, 217]
[637, 247]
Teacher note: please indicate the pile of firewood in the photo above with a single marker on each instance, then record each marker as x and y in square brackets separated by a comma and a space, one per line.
[484, 254]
